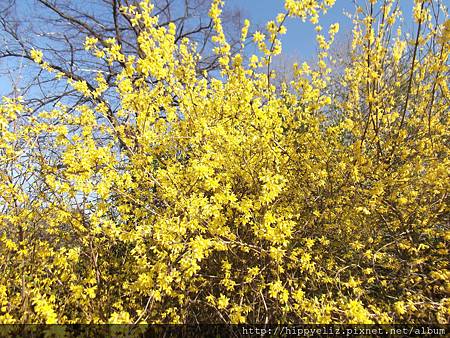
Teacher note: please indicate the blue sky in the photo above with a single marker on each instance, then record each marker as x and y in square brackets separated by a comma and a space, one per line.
[299, 41]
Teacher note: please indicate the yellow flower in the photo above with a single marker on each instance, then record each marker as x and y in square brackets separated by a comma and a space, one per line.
[36, 55]
[258, 37]
[222, 302]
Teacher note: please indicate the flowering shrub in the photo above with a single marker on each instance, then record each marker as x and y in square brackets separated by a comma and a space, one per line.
[182, 197]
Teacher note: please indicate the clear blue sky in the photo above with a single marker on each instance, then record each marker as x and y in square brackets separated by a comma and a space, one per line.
[299, 42]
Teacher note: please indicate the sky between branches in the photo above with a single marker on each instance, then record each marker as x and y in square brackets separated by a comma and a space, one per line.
[299, 42]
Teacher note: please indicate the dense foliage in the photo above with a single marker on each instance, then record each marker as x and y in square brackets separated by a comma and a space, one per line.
[231, 196]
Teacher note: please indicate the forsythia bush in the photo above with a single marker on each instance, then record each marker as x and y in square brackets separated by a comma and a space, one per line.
[231, 196]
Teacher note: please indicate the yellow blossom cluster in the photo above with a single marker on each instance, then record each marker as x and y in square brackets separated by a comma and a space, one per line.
[227, 198]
